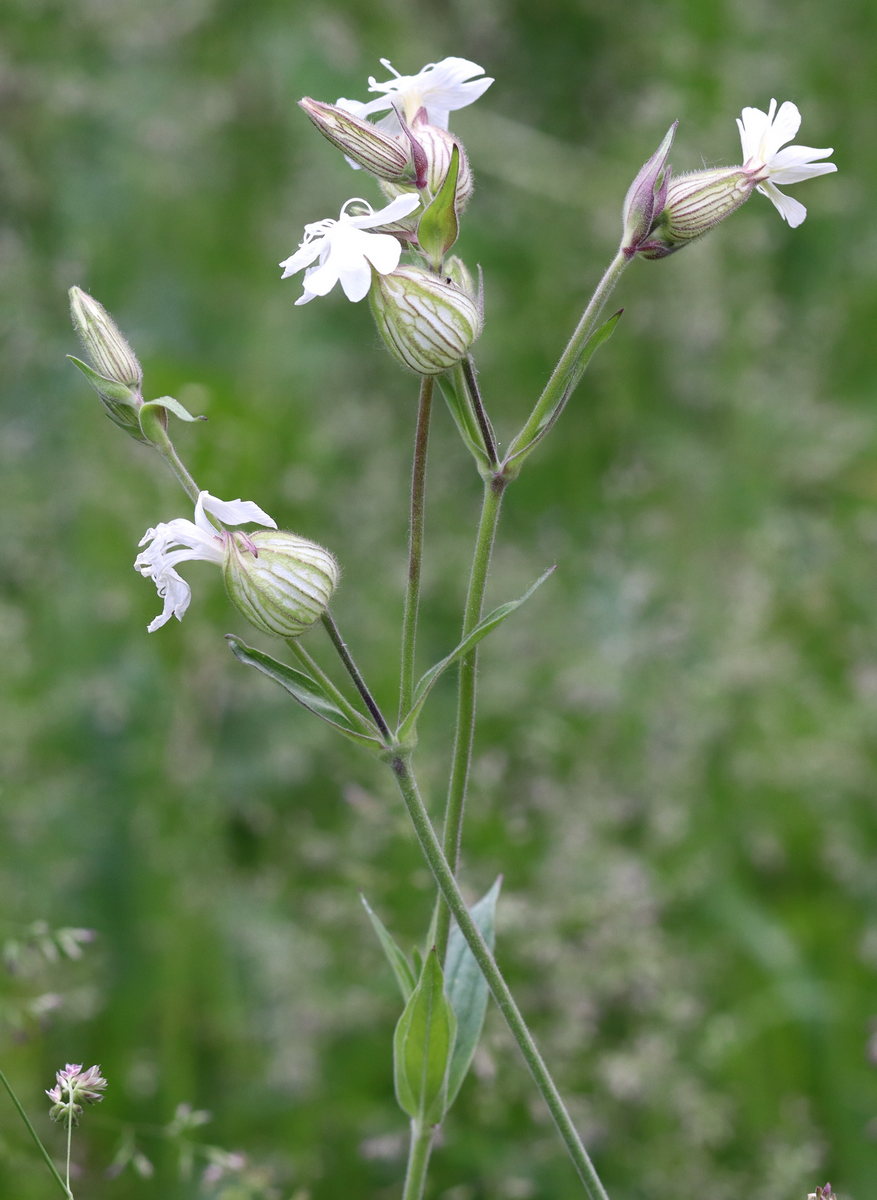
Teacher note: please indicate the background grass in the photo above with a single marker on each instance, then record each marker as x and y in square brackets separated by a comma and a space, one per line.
[676, 755]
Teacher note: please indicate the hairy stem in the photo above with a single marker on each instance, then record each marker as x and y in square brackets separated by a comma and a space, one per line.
[553, 390]
[415, 545]
[316, 671]
[447, 884]
[353, 671]
[419, 1150]
[466, 698]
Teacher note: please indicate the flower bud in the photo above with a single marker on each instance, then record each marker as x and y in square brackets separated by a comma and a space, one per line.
[427, 323]
[364, 144]
[696, 203]
[115, 373]
[459, 274]
[103, 342]
[646, 196]
[280, 582]
[432, 148]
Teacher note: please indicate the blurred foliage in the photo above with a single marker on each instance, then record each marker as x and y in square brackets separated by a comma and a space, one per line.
[676, 755]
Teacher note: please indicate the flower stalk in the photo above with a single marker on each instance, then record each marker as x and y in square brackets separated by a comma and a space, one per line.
[415, 544]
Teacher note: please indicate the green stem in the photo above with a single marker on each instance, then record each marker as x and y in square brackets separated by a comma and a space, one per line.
[447, 884]
[354, 673]
[553, 390]
[419, 1149]
[69, 1144]
[33, 1133]
[466, 697]
[415, 545]
[313, 668]
[187, 483]
[468, 368]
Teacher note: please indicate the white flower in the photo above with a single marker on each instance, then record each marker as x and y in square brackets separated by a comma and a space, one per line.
[761, 135]
[440, 88]
[179, 540]
[346, 251]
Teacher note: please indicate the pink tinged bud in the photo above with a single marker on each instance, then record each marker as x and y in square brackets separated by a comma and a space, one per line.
[280, 582]
[694, 205]
[427, 323]
[646, 196]
[437, 146]
[366, 145]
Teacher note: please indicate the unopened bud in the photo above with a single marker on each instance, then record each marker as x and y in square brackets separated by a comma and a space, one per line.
[435, 147]
[103, 342]
[646, 196]
[460, 275]
[695, 204]
[427, 323]
[280, 582]
[363, 143]
[114, 373]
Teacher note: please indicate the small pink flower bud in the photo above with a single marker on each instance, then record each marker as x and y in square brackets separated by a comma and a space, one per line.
[646, 196]
[73, 1088]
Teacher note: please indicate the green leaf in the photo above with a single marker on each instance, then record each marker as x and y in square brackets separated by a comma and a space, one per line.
[485, 626]
[303, 688]
[173, 406]
[600, 335]
[422, 1047]
[109, 389]
[397, 960]
[439, 228]
[467, 988]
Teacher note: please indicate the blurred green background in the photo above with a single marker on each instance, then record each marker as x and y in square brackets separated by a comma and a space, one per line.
[676, 755]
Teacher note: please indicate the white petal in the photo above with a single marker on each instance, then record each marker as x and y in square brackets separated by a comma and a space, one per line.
[449, 85]
[402, 206]
[320, 280]
[235, 512]
[752, 124]
[303, 257]
[175, 593]
[785, 125]
[383, 251]
[789, 209]
[356, 279]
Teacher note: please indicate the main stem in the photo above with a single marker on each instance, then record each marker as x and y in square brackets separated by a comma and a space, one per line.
[415, 545]
[419, 1150]
[494, 490]
[429, 844]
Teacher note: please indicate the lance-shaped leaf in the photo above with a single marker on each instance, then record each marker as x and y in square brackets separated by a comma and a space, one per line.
[467, 988]
[602, 334]
[485, 626]
[459, 403]
[422, 1047]
[397, 960]
[439, 227]
[309, 692]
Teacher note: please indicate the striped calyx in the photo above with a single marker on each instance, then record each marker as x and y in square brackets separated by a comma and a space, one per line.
[695, 204]
[280, 582]
[426, 321]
